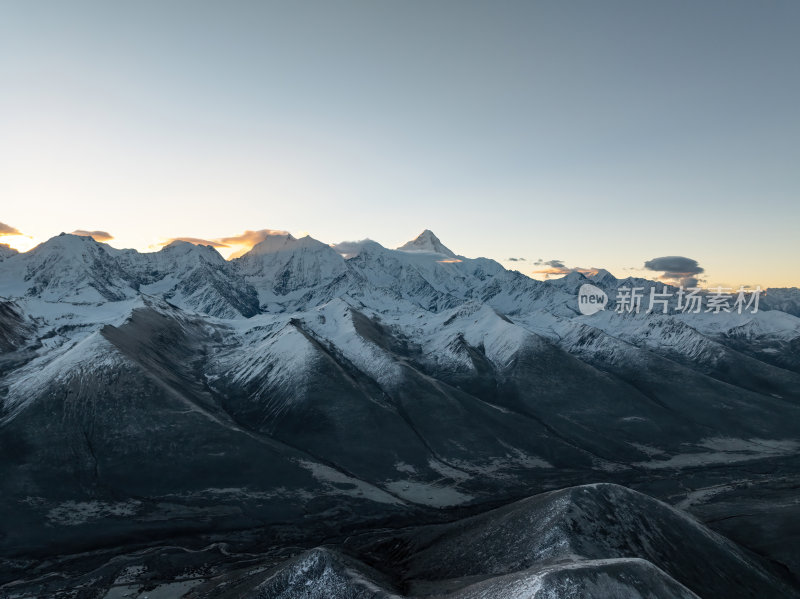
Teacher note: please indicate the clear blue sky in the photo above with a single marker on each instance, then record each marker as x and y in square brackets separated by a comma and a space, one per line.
[596, 133]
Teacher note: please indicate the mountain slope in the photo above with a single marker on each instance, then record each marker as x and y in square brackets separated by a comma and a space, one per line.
[593, 542]
[594, 522]
[197, 278]
[318, 393]
[120, 438]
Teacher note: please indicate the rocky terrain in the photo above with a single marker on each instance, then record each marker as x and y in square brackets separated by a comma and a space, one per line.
[312, 420]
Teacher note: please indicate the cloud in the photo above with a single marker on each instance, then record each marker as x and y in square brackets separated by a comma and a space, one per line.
[8, 230]
[248, 239]
[348, 249]
[689, 281]
[552, 271]
[676, 269]
[554, 268]
[557, 267]
[674, 264]
[96, 235]
[516, 259]
[551, 263]
[251, 238]
[196, 241]
[244, 242]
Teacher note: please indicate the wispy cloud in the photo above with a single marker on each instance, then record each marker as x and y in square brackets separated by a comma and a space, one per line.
[251, 238]
[558, 268]
[241, 243]
[348, 249]
[248, 239]
[552, 268]
[196, 241]
[96, 235]
[550, 263]
[8, 230]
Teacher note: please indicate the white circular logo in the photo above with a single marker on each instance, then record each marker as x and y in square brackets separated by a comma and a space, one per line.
[591, 299]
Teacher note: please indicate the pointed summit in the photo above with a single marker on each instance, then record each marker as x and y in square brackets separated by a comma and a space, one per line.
[426, 242]
[602, 276]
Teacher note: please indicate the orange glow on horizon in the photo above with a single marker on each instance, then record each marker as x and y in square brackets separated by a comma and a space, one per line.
[21, 243]
[553, 271]
[229, 247]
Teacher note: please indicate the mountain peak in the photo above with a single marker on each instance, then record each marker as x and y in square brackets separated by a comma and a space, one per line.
[180, 251]
[67, 245]
[177, 243]
[602, 276]
[272, 243]
[426, 242]
[278, 243]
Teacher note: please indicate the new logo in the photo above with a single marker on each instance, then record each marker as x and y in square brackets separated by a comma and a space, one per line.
[591, 299]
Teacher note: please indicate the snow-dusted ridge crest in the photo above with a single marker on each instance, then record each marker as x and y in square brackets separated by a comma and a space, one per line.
[585, 541]
[283, 273]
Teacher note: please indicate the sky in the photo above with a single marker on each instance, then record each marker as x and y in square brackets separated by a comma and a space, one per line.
[585, 134]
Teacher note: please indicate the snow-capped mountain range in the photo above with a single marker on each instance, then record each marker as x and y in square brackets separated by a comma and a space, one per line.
[304, 379]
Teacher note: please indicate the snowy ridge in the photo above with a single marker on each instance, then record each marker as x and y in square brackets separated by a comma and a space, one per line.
[284, 274]
[66, 268]
[608, 541]
[68, 362]
[285, 270]
[271, 355]
[334, 323]
[632, 578]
